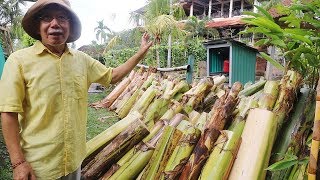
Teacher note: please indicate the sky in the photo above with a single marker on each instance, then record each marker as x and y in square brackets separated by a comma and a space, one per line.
[115, 13]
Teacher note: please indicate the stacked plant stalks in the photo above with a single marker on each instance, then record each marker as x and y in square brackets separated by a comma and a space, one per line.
[196, 94]
[114, 94]
[137, 81]
[136, 93]
[120, 145]
[136, 159]
[269, 96]
[161, 104]
[163, 150]
[221, 112]
[255, 149]
[222, 157]
[146, 98]
[182, 152]
[202, 121]
[289, 85]
[252, 89]
[96, 144]
[258, 133]
[294, 132]
[156, 128]
[225, 150]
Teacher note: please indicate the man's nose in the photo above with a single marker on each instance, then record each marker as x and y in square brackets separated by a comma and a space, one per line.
[54, 21]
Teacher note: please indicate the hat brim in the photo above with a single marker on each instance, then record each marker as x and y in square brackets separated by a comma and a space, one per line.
[30, 23]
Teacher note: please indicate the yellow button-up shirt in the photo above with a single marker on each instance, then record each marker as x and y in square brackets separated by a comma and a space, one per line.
[50, 95]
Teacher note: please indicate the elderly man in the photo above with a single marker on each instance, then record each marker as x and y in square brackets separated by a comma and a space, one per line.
[43, 97]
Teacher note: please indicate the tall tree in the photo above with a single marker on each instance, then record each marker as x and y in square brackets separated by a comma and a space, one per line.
[160, 24]
[101, 34]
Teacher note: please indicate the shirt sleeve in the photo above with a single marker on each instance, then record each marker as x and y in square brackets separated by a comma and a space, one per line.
[99, 73]
[12, 87]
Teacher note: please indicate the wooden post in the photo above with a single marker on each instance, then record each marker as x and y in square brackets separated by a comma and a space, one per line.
[241, 8]
[222, 8]
[231, 8]
[210, 8]
[190, 69]
[191, 9]
[315, 144]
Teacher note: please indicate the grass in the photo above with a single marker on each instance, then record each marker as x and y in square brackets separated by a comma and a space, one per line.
[98, 121]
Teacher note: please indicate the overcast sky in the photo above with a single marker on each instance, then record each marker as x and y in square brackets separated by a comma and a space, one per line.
[115, 14]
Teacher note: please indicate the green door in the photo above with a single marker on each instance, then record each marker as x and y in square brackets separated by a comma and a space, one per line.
[1, 61]
[243, 64]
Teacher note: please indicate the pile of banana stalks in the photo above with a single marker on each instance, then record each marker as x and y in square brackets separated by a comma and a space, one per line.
[169, 129]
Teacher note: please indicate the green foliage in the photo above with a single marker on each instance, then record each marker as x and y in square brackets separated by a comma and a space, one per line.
[180, 53]
[27, 41]
[95, 124]
[296, 34]
[288, 162]
[196, 29]
[5, 170]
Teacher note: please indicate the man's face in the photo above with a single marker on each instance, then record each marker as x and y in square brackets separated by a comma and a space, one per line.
[54, 27]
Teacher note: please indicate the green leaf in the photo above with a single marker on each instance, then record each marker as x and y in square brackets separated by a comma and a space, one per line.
[272, 61]
[265, 12]
[300, 38]
[301, 32]
[250, 13]
[262, 42]
[304, 161]
[283, 164]
[279, 42]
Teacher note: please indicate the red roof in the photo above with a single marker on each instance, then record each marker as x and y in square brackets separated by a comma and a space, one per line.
[225, 22]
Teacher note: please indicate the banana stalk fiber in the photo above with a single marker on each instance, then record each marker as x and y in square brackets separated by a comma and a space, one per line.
[114, 94]
[222, 110]
[159, 125]
[96, 144]
[142, 155]
[202, 121]
[136, 82]
[255, 149]
[160, 155]
[294, 132]
[269, 95]
[145, 100]
[289, 85]
[252, 89]
[121, 144]
[195, 95]
[161, 105]
[223, 155]
[181, 153]
[125, 107]
[299, 172]
[315, 144]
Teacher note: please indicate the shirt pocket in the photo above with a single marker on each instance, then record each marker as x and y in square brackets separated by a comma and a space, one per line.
[79, 87]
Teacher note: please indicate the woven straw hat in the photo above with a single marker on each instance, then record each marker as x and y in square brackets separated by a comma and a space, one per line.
[30, 21]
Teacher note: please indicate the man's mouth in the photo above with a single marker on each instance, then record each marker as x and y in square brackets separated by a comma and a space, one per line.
[55, 32]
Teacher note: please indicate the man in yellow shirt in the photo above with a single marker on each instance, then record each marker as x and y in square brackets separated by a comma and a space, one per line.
[43, 99]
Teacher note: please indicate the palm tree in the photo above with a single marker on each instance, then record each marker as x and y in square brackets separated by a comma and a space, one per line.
[101, 34]
[160, 24]
[196, 29]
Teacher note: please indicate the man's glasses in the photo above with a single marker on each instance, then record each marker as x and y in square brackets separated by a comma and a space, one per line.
[60, 18]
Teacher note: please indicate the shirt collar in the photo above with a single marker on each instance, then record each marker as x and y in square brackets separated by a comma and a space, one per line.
[40, 48]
